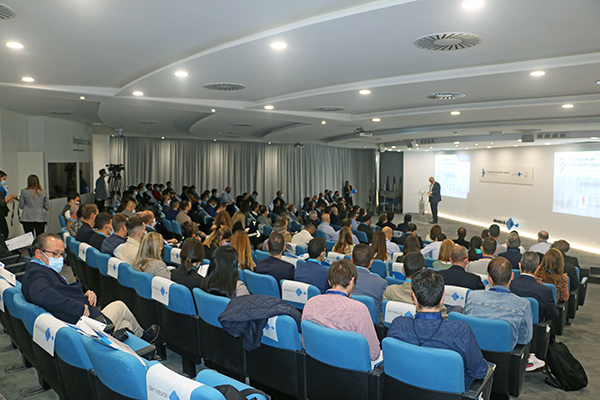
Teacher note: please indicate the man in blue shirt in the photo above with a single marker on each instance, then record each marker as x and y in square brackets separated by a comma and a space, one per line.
[171, 214]
[500, 303]
[368, 284]
[430, 330]
[313, 271]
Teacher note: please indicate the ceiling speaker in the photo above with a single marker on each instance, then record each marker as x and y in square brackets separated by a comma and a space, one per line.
[527, 138]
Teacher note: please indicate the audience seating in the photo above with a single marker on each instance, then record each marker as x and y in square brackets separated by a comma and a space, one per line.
[261, 284]
[541, 331]
[484, 279]
[176, 228]
[329, 245]
[319, 233]
[361, 236]
[370, 303]
[409, 370]
[583, 275]
[297, 293]
[126, 289]
[573, 301]
[338, 364]
[62, 220]
[559, 324]
[261, 254]
[494, 338]
[456, 295]
[429, 262]
[393, 281]
[109, 286]
[517, 273]
[333, 256]
[378, 267]
[167, 224]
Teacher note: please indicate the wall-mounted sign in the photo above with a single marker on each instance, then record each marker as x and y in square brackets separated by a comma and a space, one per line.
[515, 174]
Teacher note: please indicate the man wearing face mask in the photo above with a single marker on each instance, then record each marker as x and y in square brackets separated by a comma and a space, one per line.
[103, 230]
[101, 193]
[117, 238]
[135, 232]
[44, 286]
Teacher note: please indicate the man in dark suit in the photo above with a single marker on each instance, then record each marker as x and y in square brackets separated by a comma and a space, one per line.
[456, 275]
[407, 220]
[390, 218]
[365, 226]
[313, 271]
[563, 246]
[103, 229]
[88, 216]
[526, 285]
[512, 253]
[274, 265]
[461, 241]
[368, 284]
[434, 198]
[411, 229]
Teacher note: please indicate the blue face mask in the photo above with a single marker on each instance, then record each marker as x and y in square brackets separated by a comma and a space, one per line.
[3, 182]
[55, 263]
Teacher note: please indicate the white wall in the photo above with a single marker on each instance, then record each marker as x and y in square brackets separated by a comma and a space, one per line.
[530, 206]
[101, 152]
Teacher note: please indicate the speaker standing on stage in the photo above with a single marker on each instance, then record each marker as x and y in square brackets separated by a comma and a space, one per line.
[434, 198]
[348, 192]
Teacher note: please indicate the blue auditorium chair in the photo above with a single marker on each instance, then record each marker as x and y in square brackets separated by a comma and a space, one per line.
[109, 286]
[378, 267]
[62, 220]
[297, 293]
[126, 289]
[261, 254]
[319, 233]
[558, 325]
[361, 236]
[394, 281]
[370, 303]
[176, 227]
[261, 284]
[541, 331]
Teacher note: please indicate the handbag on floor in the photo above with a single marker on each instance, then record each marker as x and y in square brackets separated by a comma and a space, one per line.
[565, 371]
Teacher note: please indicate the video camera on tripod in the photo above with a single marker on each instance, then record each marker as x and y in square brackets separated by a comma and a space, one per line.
[115, 167]
[115, 183]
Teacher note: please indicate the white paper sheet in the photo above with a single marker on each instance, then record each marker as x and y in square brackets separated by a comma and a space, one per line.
[20, 242]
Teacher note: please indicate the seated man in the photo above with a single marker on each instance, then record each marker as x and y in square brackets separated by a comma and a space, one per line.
[407, 221]
[172, 212]
[183, 216]
[462, 234]
[430, 330]
[88, 216]
[488, 249]
[103, 229]
[367, 284]
[135, 232]
[72, 198]
[337, 310]
[274, 265]
[456, 274]
[432, 250]
[391, 246]
[326, 227]
[411, 229]
[365, 226]
[118, 236]
[542, 246]
[500, 303]
[512, 253]
[44, 286]
[312, 271]
[526, 285]
[305, 235]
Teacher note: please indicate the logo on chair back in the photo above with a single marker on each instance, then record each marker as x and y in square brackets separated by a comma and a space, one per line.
[455, 296]
[299, 292]
[173, 396]
[48, 335]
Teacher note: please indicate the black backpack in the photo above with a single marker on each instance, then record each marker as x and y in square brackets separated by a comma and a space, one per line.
[565, 372]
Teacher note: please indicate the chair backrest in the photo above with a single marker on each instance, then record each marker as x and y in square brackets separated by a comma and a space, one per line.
[27, 312]
[361, 236]
[261, 284]
[168, 225]
[378, 267]
[213, 378]
[92, 255]
[535, 309]
[397, 234]
[395, 256]
[210, 306]
[62, 220]
[142, 282]
[121, 372]
[320, 234]
[484, 279]
[370, 303]
[553, 288]
[181, 300]
[69, 347]
[125, 277]
[281, 332]
[429, 262]
[416, 365]
[336, 227]
[329, 245]
[292, 260]
[456, 295]
[393, 309]
[491, 334]
[297, 293]
[333, 256]
[102, 262]
[261, 254]
[517, 272]
[176, 227]
[394, 281]
[172, 255]
[267, 231]
[342, 349]
[254, 258]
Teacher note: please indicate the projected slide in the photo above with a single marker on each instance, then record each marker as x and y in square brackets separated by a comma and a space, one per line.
[577, 183]
[453, 172]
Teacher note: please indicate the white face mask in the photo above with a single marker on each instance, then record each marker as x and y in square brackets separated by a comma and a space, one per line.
[3, 182]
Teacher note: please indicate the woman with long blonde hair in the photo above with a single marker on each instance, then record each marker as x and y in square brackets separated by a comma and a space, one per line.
[443, 261]
[34, 203]
[238, 221]
[218, 237]
[379, 247]
[551, 270]
[223, 219]
[148, 256]
[241, 243]
[344, 244]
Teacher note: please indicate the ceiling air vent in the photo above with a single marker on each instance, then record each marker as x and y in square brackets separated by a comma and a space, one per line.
[224, 86]
[329, 108]
[496, 132]
[242, 124]
[554, 135]
[444, 96]
[148, 122]
[60, 113]
[6, 12]
[447, 41]
[527, 130]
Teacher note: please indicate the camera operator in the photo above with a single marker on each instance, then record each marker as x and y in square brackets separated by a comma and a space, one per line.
[101, 194]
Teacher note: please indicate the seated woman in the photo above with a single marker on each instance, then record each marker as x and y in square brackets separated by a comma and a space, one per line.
[382, 220]
[222, 278]
[223, 219]
[551, 270]
[411, 245]
[241, 243]
[238, 221]
[148, 256]
[379, 247]
[189, 229]
[192, 254]
[475, 248]
[443, 261]
[434, 229]
[344, 244]
[217, 238]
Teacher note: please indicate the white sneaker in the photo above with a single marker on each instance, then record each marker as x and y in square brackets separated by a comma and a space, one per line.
[534, 363]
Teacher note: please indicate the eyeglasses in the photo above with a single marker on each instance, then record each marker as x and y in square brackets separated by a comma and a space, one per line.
[55, 254]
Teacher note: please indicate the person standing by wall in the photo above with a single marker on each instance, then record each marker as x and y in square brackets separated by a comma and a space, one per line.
[4, 200]
[34, 202]
[101, 193]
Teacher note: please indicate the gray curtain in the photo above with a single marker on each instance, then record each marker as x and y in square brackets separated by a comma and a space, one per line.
[246, 166]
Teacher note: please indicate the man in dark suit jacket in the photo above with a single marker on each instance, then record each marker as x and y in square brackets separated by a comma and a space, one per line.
[563, 246]
[103, 229]
[88, 216]
[274, 265]
[365, 226]
[512, 253]
[407, 220]
[456, 275]
[368, 284]
[313, 271]
[526, 285]
[462, 234]
[434, 198]
[390, 218]
[411, 229]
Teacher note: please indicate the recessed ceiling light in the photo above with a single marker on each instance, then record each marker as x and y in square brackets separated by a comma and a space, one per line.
[269, 143]
[537, 73]
[598, 82]
[455, 113]
[28, 79]
[489, 147]
[214, 140]
[472, 4]
[393, 147]
[491, 142]
[409, 149]
[476, 144]
[81, 97]
[515, 145]
[364, 92]
[456, 142]
[162, 137]
[594, 138]
[14, 45]
[138, 93]
[181, 74]
[466, 148]
[269, 107]
[278, 45]
[431, 147]
[376, 119]
[547, 144]
[417, 144]
[323, 122]
[567, 106]
[213, 110]
[519, 140]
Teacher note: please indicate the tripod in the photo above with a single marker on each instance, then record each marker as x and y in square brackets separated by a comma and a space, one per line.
[115, 190]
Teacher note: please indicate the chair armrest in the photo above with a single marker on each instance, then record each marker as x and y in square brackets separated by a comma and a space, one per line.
[16, 267]
[520, 350]
[10, 259]
[147, 352]
[481, 388]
